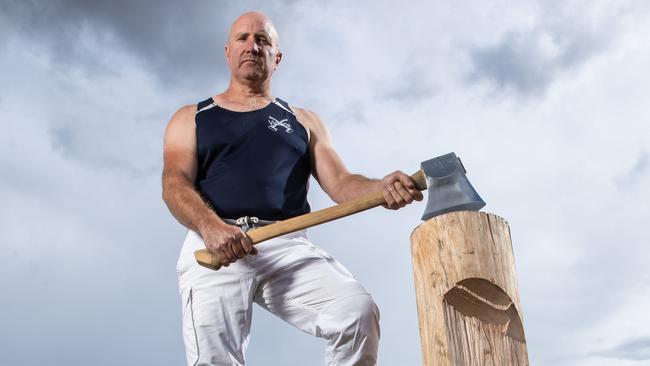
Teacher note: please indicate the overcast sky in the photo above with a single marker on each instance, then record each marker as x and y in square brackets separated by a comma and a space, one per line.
[546, 102]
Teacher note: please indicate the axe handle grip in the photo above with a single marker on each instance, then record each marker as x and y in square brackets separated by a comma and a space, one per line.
[365, 202]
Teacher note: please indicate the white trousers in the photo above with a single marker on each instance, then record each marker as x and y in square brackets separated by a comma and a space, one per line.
[291, 278]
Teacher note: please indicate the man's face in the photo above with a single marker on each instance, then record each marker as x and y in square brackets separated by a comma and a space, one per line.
[251, 51]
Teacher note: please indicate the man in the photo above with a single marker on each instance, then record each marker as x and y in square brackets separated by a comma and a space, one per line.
[246, 153]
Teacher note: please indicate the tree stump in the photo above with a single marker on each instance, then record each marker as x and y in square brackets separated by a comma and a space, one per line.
[466, 287]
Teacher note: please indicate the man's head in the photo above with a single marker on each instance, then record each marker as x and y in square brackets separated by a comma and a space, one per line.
[252, 48]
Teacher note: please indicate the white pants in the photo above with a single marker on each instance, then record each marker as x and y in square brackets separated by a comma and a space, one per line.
[291, 278]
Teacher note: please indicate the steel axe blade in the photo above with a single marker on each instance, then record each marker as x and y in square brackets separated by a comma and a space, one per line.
[448, 187]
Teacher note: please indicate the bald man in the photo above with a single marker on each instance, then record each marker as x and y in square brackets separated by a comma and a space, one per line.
[242, 159]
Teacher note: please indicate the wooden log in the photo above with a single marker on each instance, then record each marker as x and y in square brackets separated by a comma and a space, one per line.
[466, 288]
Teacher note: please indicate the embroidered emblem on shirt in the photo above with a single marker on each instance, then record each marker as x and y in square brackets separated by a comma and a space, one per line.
[274, 123]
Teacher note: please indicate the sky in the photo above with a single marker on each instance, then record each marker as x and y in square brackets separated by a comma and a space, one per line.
[546, 103]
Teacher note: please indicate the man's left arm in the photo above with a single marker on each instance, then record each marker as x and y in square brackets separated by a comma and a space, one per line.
[328, 169]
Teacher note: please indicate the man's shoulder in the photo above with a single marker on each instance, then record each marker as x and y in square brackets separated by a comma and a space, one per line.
[186, 111]
[184, 116]
[305, 115]
[311, 121]
[189, 109]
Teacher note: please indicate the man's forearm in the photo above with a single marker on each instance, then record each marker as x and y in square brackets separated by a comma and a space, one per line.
[355, 185]
[187, 205]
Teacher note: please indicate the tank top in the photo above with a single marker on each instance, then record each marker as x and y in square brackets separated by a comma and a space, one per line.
[253, 163]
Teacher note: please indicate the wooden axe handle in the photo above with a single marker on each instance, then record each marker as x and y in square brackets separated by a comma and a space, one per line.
[368, 201]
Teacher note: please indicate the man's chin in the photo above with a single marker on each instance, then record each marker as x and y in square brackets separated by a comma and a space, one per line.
[254, 76]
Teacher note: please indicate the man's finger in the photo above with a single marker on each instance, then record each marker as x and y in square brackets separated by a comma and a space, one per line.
[412, 189]
[223, 258]
[388, 197]
[246, 244]
[399, 199]
[396, 199]
[237, 248]
[416, 194]
[229, 252]
[406, 196]
[407, 181]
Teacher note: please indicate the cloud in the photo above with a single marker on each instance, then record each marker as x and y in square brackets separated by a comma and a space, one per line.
[527, 61]
[179, 43]
[636, 349]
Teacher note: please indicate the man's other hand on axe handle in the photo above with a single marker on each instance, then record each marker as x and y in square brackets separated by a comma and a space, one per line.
[399, 190]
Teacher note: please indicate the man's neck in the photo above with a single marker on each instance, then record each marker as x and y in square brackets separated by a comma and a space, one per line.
[245, 96]
[244, 91]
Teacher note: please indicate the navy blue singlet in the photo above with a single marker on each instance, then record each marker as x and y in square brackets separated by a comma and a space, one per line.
[252, 163]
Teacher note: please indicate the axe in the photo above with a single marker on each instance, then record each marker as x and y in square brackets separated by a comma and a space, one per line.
[444, 176]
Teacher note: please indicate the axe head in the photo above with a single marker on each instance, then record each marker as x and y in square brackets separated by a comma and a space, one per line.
[448, 187]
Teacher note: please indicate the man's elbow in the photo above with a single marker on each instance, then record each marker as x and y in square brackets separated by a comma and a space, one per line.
[170, 184]
[337, 188]
[337, 198]
[166, 193]
[174, 182]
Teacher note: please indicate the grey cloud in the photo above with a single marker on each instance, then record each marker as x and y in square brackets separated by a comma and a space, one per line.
[6, 25]
[181, 45]
[411, 85]
[528, 62]
[637, 349]
[102, 138]
[179, 42]
[88, 147]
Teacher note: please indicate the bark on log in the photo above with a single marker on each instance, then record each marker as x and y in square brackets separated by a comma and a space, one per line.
[466, 287]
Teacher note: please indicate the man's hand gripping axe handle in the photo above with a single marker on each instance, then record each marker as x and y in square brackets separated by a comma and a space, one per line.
[444, 176]
[260, 234]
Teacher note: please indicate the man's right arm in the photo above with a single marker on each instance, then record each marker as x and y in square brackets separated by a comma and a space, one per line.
[179, 173]
[184, 201]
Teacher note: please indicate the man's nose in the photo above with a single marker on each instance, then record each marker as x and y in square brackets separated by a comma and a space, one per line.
[252, 46]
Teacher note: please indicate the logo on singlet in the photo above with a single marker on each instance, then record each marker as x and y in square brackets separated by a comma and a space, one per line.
[274, 123]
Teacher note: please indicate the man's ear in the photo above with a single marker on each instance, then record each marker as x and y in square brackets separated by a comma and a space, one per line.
[278, 58]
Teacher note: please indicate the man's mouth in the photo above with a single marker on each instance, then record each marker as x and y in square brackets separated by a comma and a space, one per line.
[249, 60]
